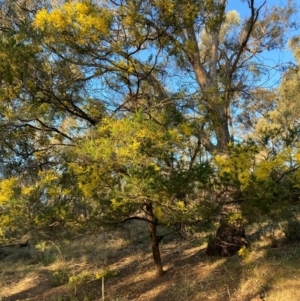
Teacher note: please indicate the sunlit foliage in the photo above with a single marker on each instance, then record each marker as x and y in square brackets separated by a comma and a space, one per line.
[83, 22]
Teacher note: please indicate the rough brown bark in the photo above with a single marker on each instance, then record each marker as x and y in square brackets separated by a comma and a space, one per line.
[154, 239]
[230, 238]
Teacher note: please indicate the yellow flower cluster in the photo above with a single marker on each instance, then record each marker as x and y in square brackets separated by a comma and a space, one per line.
[84, 21]
[7, 189]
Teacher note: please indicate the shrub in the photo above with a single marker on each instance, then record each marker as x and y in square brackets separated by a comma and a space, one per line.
[292, 231]
[60, 277]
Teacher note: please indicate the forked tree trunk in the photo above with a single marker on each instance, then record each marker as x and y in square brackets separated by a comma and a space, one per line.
[154, 239]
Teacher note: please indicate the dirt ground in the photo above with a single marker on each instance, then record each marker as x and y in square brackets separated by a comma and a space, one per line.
[265, 273]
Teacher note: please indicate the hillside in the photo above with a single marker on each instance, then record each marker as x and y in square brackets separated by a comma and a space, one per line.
[73, 269]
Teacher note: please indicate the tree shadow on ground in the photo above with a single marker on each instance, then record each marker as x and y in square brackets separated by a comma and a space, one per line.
[191, 275]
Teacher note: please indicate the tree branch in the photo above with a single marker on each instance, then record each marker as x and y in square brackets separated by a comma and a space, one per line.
[250, 23]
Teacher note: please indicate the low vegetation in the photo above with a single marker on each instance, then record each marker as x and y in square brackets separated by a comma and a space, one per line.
[115, 266]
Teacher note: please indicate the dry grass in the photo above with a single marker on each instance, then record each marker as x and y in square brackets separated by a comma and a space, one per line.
[73, 270]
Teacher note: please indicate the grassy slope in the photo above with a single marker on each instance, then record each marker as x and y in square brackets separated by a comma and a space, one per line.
[73, 270]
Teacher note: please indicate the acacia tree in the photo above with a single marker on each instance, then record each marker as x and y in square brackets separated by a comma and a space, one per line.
[134, 168]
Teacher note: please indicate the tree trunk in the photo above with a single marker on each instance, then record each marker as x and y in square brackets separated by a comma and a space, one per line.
[221, 125]
[154, 239]
[208, 84]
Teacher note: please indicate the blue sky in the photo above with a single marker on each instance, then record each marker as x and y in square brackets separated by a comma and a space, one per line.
[243, 9]
[283, 56]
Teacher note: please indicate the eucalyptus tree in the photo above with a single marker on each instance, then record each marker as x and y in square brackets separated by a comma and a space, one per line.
[197, 57]
[65, 63]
